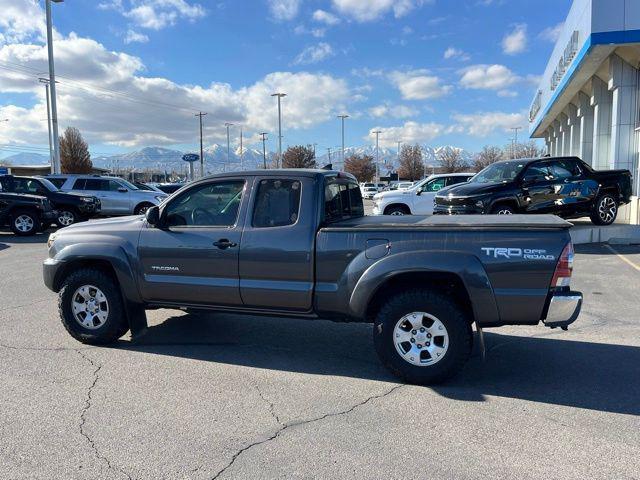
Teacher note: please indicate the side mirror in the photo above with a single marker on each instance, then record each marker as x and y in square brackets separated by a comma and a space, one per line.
[122, 189]
[153, 216]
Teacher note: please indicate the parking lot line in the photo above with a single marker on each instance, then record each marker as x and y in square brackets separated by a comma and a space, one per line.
[623, 258]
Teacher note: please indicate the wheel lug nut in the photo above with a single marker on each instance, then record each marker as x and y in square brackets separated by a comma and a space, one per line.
[428, 335]
[428, 344]
[419, 346]
[413, 340]
[422, 330]
[414, 332]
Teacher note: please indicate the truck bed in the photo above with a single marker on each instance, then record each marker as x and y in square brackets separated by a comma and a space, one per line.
[456, 222]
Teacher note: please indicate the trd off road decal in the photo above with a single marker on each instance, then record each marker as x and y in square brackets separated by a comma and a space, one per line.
[524, 253]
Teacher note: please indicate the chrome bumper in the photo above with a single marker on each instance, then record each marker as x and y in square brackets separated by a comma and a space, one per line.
[563, 310]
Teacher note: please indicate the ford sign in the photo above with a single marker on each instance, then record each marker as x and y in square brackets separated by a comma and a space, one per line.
[190, 157]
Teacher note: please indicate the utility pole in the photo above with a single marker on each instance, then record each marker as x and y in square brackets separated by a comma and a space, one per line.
[264, 149]
[228, 146]
[377, 132]
[45, 81]
[342, 117]
[241, 159]
[514, 142]
[201, 114]
[279, 159]
[52, 87]
[314, 149]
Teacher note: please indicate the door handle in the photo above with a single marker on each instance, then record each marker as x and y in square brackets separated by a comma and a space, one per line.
[223, 244]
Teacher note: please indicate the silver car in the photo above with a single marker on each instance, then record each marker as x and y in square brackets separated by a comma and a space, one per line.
[118, 197]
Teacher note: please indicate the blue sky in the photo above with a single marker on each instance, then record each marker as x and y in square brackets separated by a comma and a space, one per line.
[133, 72]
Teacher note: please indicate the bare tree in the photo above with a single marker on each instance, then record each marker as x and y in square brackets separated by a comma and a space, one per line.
[489, 154]
[74, 152]
[450, 161]
[530, 149]
[299, 156]
[360, 166]
[411, 166]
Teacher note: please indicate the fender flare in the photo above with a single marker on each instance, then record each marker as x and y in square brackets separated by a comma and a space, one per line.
[464, 265]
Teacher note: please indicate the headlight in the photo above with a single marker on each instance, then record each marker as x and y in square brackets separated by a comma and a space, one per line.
[87, 199]
[52, 238]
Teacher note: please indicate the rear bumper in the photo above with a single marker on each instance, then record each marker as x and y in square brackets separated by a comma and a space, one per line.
[563, 309]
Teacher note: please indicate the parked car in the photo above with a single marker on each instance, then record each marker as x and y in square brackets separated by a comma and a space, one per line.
[297, 244]
[117, 196]
[25, 214]
[417, 200]
[369, 192]
[404, 185]
[563, 186]
[71, 207]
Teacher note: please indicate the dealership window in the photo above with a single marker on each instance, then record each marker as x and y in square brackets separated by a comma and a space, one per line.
[277, 203]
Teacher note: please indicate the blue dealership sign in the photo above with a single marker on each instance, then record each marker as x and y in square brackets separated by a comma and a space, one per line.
[4, 170]
[190, 157]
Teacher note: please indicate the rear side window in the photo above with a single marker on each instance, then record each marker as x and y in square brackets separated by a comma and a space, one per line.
[342, 200]
[564, 169]
[58, 182]
[277, 203]
[537, 172]
[79, 184]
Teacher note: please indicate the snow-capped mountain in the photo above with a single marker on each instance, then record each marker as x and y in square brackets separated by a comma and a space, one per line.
[26, 158]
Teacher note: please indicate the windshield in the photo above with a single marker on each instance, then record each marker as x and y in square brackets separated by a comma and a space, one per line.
[48, 185]
[501, 172]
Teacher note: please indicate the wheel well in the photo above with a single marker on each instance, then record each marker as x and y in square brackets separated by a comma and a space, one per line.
[401, 205]
[102, 265]
[447, 283]
[510, 203]
[144, 202]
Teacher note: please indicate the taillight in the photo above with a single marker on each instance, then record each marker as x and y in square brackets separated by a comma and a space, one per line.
[564, 268]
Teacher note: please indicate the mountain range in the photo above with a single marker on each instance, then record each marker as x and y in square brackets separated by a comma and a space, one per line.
[215, 156]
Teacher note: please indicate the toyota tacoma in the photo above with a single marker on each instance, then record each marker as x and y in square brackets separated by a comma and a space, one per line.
[296, 243]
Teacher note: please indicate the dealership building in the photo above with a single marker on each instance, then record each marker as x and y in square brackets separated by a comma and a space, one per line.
[587, 101]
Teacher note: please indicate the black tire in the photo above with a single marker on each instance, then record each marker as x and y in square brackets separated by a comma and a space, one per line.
[456, 322]
[397, 210]
[142, 208]
[67, 216]
[17, 226]
[502, 209]
[605, 209]
[115, 325]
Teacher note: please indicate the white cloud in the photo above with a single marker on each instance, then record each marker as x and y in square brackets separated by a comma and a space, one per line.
[418, 85]
[135, 37]
[482, 124]
[456, 53]
[551, 34]
[394, 111]
[507, 93]
[410, 132]
[284, 9]
[488, 77]
[155, 14]
[515, 41]
[316, 32]
[20, 20]
[105, 95]
[325, 17]
[369, 10]
[314, 54]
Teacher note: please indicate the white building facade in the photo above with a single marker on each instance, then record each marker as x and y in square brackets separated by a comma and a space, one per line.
[587, 103]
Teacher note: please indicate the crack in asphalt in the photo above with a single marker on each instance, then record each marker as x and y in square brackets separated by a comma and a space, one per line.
[270, 404]
[303, 422]
[85, 411]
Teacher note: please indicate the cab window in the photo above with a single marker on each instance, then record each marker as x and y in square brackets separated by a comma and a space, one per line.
[564, 169]
[210, 205]
[434, 185]
[538, 172]
[342, 200]
[277, 203]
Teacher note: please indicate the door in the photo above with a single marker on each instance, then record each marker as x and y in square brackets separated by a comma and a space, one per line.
[113, 196]
[538, 189]
[574, 192]
[191, 257]
[424, 196]
[277, 251]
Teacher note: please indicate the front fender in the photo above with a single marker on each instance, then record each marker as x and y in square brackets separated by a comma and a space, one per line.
[466, 266]
[115, 255]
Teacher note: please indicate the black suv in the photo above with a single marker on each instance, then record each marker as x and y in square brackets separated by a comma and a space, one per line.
[71, 207]
[564, 186]
[25, 214]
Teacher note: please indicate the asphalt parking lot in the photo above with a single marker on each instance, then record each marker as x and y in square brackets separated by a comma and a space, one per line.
[223, 396]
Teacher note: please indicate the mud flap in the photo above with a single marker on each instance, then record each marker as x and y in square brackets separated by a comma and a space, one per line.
[137, 320]
[481, 345]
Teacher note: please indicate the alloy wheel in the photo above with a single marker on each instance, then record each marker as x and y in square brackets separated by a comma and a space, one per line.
[90, 307]
[66, 218]
[421, 339]
[607, 209]
[24, 223]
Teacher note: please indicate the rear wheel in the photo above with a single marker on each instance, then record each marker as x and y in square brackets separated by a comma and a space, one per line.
[422, 336]
[91, 307]
[142, 208]
[25, 223]
[605, 209]
[397, 210]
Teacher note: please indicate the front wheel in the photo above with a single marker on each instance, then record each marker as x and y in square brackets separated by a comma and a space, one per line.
[25, 223]
[502, 210]
[142, 208]
[605, 210]
[66, 217]
[422, 336]
[397, 210]
[91, 307]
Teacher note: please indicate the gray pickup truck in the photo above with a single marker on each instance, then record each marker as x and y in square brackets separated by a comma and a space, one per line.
[296, 243]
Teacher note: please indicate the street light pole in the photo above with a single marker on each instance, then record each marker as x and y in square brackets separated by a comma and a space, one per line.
[377, 132]
[228, 145]
[52, 87]
[515, 141]
[279, 159]
[45, 81]
[201, 114]
[264, 149]
[342, 117]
